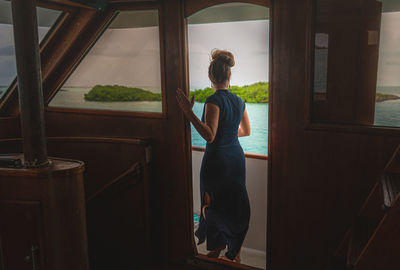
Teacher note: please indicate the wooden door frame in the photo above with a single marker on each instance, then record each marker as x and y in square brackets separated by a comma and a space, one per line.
[191, 7]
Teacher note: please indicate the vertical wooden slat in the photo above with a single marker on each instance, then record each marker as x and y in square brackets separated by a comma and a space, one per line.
[1, 256]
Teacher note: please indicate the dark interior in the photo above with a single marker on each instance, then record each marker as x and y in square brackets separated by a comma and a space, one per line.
[324, 158]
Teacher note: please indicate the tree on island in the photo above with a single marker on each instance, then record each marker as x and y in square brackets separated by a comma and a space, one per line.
[254, 93]
[110, 93]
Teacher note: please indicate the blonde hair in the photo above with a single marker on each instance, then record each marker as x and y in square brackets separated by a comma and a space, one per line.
[219, 70]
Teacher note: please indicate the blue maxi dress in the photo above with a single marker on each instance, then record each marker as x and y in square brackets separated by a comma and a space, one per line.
[223, 177]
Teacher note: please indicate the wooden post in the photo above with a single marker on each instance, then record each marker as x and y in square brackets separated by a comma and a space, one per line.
[29, 82]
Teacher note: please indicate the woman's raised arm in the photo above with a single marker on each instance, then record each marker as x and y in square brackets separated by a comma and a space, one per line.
[207, 130]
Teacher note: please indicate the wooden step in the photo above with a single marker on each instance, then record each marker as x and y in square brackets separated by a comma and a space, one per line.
[372, 207]
[361, 233]
[382, 249]
[372, 242]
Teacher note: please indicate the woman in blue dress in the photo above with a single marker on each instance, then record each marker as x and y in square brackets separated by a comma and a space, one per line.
[225, 204]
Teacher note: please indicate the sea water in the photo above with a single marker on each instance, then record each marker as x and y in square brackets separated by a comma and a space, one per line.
[387, 114]
[257, 142]
[74, 98]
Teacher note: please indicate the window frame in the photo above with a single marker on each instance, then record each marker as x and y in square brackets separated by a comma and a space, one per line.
[326, 126]
[111, 13]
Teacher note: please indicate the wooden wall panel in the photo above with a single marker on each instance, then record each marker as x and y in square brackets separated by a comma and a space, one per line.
[170, 187]
[117, 195]
[105, 158]
[318, 178]
[10, 127]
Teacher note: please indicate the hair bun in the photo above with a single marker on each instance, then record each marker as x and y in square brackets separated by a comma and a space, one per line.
[223, 56]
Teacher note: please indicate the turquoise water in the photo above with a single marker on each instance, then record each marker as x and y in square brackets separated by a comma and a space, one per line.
[387, 114]
[257, 142]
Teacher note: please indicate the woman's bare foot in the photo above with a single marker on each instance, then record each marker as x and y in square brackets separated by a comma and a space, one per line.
[215, 253]
[236, 259]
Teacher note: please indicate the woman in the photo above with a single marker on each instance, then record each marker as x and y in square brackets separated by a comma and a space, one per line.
[224, 200]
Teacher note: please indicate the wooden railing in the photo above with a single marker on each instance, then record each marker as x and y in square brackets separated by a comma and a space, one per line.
[134, 173]
[373, 239]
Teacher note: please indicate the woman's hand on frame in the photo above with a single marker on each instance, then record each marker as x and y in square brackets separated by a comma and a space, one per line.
[183, 101]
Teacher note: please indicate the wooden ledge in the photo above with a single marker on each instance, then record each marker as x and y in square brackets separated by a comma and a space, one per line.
[204, 262]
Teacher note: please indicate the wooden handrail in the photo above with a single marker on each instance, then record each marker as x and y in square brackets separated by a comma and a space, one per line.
[136, 169]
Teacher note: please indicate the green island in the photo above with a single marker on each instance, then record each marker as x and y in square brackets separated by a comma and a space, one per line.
[111, 93]
[384, 97]
[254, 93]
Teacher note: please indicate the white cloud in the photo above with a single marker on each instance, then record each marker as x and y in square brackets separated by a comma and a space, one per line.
[389, 51]
[129, 57]
[247, 40]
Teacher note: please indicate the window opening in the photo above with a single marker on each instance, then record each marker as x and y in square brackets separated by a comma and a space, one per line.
[242, 29]
[387, 107]
[8, 70]
[122, 71]
[356, 63]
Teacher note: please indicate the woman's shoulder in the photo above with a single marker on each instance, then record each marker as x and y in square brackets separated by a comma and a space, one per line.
[214, 99]
[237, 97]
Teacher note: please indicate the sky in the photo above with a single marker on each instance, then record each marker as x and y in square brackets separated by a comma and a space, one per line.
[46, 18]
[135, 61]
[247, 40]
[389, 51]
[138, 55]
[8, 68]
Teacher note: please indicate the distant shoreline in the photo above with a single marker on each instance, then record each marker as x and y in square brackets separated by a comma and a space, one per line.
[258, 94]
[253, 93]
[385, 97]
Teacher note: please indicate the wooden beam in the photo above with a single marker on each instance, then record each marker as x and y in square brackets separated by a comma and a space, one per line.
[29, 82]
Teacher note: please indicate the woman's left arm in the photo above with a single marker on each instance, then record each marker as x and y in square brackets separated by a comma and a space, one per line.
[207, 130]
